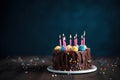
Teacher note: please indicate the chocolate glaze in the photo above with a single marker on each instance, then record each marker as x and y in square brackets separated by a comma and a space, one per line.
[69, 60]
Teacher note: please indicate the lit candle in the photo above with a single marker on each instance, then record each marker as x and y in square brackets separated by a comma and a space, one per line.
[82, 41]
[84, 37]
[63, 39]
[64, 43]
[70, 39]
[75, 40]
[60, 43]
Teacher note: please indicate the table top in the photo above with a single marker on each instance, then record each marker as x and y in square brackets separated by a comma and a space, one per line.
[35, 68]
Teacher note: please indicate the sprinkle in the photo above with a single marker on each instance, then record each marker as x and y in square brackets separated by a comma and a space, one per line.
[22, 63]
[28, 64]
[101, 69]
[52, 75]
[115, 65]
[26, 72]
[103, 73]
[36, 58]
[112, 65]
[99, 73]
[113, 70]
[43, 61]
[26, 67]
[110, 78]
[55, 75]
[105, 69]
[31, 60]
[107, 64]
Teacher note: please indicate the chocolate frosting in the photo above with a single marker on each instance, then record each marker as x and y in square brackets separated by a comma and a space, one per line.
[69, 60]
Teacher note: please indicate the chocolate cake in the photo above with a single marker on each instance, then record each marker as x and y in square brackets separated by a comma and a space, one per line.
[70, 57]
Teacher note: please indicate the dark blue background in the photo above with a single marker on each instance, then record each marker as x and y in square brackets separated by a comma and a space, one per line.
[31, 27]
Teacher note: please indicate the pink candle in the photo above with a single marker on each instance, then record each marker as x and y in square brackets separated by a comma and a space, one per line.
[70, 40]
[82, 40]
[60, 41]
[84, 37]
[63, 39]
[64, 42]
[75, 40]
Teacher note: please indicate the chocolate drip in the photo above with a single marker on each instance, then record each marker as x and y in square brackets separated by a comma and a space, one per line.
[71, 60]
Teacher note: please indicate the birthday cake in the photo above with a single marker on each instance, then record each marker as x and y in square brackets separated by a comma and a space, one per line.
[71, 57]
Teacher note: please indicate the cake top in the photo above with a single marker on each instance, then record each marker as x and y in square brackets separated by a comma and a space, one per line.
[71, 46]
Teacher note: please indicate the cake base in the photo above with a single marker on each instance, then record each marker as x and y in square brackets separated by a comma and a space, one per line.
[93, 68]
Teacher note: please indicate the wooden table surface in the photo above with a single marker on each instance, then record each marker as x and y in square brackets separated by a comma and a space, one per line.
[35, 68]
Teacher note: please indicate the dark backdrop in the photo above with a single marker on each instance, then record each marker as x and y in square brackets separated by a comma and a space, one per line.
[31, 27]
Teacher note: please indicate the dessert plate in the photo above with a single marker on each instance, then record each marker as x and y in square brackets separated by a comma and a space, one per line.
[93, 68]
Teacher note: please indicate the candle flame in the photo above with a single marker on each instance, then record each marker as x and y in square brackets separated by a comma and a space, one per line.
[84, 33]
[59, 36]
[70, 36]
[63, 34]
[75, 35]
[81, 36]
[64, 38]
